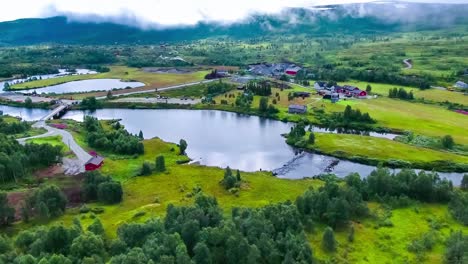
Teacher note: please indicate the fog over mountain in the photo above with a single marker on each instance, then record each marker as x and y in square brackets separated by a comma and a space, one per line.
[127, 27]
[157, 14]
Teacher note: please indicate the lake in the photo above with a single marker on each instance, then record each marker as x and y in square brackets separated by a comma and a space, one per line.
[61, 73]
[217, 138]
[86, 86]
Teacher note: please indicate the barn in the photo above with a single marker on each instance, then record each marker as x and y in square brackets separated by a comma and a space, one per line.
[359, 94]
[293, 70]
[94, 163]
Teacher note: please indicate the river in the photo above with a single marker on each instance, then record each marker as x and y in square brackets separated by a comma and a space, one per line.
[217, 138]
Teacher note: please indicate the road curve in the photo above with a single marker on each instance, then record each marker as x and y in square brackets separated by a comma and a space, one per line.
[67, 139]
[408, 63]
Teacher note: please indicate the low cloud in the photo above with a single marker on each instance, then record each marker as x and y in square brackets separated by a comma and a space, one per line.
[174, 13]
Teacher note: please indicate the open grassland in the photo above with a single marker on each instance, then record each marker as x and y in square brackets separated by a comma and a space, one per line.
[151, 80]
[379, 149]
[434, 95]
[152, 194]
[53, 140]
[429, 120]
[148, 197]
[439, 56]
[378, 244]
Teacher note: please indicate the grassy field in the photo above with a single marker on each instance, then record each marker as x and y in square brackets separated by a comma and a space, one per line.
[434, 95]
[148, 196]
[53, 140]
[379, 148]
[151, 80]
[429, 120]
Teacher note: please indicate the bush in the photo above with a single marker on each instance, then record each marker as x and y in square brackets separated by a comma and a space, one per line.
[160, 164]
[328, 240]
[145, 169]
[110, 192]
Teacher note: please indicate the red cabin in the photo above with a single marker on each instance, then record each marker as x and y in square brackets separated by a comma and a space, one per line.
[94, 163]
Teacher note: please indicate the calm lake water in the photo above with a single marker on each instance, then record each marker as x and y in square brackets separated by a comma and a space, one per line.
[217, 138]
[62, 72]
[86, 86]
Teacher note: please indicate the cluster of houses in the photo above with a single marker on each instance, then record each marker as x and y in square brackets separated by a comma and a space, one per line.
[274, 69]
[335, 92]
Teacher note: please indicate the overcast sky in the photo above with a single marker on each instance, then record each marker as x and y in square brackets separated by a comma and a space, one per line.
[162, 12]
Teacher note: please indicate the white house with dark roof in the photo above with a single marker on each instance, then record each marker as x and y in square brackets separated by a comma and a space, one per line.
[461, 85]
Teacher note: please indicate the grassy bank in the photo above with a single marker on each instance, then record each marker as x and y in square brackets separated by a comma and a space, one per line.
[372, 151]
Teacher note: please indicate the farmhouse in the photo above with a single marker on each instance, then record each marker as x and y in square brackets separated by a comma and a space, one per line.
[94, 163]
[359, 93]
[274, 69]
[293, 70]
[297, 109]
[461, 84]
[320, 85]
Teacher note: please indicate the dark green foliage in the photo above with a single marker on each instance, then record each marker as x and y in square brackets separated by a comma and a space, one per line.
[244, 100]
[7, 213]
[145, 169]
[351, 234]
[447, 142]
[230, 181]
[88, 245]
[110, 192]
[216, 88]
[13, 127]
[400, 93]
[160, 164]
[182, 146]
[118, 140]
[458, 206]
[49, 200]
[90, 103]
[191, 234]
[262, 88]
[101, 188]
[311, 138]
[457, 248]
[368, 88]
[332, 204]
[96, 227]
[16, 160]
[464, 182]
[296, 134]
[424, 186]
[351, 115]
[28, 102]
[328, 240]
[263, 105]
[140, 135]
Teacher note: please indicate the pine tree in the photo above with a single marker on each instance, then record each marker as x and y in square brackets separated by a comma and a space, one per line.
[328, 240]
[160, 164]
[140, 135]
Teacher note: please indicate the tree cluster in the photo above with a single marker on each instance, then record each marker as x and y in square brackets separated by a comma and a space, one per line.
[90, 103]
[104, 189]
[244, 100]
[13, 127]
[217, 88]
[422, 186]
[331, 204]
[116, 140]
[46, 202]
[351, 115]
[401, 94]
[262, 88]
[230, 180]
[16, 161]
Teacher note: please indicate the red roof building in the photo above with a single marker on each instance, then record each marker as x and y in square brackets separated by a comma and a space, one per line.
[94, 163]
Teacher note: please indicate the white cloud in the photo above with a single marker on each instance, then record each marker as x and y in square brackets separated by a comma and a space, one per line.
[163, 12]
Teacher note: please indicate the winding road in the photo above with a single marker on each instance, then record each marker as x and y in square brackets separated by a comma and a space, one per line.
[408, 64]
[67, 139]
